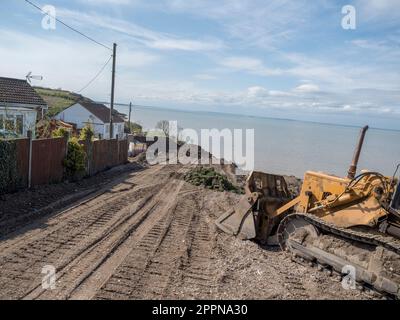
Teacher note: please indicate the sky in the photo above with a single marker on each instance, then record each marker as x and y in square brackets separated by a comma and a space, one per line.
[279, 58]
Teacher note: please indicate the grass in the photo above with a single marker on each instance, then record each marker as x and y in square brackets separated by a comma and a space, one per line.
[57, 100]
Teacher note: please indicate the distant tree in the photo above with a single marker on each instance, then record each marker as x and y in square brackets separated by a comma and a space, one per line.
[133, 127]
[163, 125]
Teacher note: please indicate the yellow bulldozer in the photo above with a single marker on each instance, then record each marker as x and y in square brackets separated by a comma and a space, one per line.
[344, 225]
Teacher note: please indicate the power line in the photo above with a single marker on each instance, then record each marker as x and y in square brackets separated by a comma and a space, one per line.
[95, 77]
[69, 27]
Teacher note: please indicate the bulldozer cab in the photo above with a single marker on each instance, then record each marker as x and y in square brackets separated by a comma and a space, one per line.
[267, 185]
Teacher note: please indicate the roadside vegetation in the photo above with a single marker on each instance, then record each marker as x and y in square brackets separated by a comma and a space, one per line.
[209, 178]
[133, 127]
[8, 165]
[75, 160]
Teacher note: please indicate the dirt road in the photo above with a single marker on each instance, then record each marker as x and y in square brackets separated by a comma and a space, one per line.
[149, 235]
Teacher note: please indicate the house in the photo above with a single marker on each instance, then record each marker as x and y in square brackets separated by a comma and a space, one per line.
[97, 115]
[20, 107]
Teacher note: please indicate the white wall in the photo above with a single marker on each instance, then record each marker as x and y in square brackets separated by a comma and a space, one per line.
[118, 130]
[81, 116]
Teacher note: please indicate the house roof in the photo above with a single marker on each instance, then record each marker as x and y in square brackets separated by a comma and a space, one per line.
[101, 111]
[18, 91]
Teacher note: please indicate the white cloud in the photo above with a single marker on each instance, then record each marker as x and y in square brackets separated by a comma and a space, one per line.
[62, 63]
[257, 92]
[307, 88]
[254, 30]
[205, 76]
[136, 59]
[242, 63]
[144, 36]
[379, 11]
[248, 64]
[258, 22]
[110, 2]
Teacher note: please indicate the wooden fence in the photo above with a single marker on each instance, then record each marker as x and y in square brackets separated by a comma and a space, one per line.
[40, 162]
[105, 154]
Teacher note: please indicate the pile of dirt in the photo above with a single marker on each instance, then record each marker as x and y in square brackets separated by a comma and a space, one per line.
[209, 178]
[140, 158]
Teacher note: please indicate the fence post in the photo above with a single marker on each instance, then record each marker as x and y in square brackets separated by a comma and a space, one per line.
[30, 159]
[117, 149]
[66, 139]
[89, 147]
[127, 148]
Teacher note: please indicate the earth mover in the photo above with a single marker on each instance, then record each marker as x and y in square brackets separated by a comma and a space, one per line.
[348, 225]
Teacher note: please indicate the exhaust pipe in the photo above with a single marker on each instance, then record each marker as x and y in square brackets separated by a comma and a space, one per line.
[353, 167]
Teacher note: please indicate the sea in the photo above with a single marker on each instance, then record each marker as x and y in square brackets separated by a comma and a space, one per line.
[291, 147]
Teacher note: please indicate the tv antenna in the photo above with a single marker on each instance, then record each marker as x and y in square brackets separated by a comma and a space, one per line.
[30, 76]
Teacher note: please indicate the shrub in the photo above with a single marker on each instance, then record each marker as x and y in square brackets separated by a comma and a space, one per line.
[210, 179]
[87, 133]
[60, 133]
[133, 127]
[8, 165]
[75, 160]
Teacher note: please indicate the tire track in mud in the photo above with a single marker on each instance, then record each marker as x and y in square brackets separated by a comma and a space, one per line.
[148, 210]
[80, 209]
[196, 276]
[174, 259]
[21, 264]
[57, 247]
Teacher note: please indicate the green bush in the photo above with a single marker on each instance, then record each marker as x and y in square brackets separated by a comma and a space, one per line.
[75, 160]
[133, 127]
[87, 133]
[210, 179]
[60, 133]
[8, 166]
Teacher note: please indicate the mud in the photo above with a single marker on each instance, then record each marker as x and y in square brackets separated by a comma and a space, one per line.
[147, 234]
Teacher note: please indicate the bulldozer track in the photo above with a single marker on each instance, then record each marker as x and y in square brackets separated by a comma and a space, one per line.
[369, 238]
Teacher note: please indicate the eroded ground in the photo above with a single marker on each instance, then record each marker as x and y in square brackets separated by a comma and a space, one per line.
[145, 234]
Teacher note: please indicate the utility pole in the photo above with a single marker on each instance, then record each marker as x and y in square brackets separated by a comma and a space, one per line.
[112, 90]
[130, 112]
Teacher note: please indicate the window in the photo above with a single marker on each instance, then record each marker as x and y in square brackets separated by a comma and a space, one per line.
[9, 123]
[12, 123]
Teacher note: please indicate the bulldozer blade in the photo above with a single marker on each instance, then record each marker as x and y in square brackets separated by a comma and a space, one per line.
[240, 220]
[270, 192]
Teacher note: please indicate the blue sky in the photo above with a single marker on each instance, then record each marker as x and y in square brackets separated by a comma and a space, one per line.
[287, 59]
